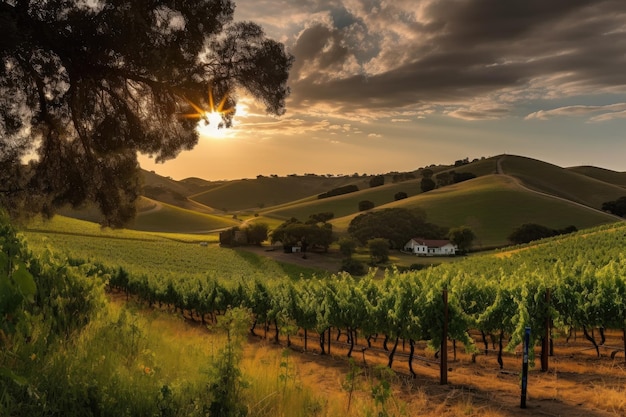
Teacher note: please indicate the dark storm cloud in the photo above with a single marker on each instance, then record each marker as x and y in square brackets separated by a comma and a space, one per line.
[397, 54]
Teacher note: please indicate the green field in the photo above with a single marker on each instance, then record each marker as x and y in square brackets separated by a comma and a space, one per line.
[156, 254]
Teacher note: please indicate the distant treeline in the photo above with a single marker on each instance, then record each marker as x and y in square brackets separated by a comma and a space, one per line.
[346, 189]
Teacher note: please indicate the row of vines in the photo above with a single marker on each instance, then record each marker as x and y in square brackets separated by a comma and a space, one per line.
[494, 295]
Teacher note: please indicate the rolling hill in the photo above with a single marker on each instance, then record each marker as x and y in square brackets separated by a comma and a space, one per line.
[509, 190]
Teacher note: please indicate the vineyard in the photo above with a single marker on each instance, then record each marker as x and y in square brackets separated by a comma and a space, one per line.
[577, 283]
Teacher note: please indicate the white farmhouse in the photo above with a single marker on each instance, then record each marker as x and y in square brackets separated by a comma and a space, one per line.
[430, 247]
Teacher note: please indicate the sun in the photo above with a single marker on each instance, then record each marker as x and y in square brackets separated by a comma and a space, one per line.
[210, 123]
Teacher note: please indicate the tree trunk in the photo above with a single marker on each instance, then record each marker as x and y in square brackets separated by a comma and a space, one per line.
[592, 340]
[385, 343]
[411, 353]
[393, 352]
[482, 333]
[500, 347]
[351, 342]
[276, 339]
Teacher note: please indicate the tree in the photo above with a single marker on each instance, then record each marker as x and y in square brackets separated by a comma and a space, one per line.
[427, 184]
[256, 233]
[462, 237]
[529, 232]
[365, 205]
[347, 246]
[379, 250]
[400, 195]
[616, 207]
[397, 225]
[88, 85]
[377, 181]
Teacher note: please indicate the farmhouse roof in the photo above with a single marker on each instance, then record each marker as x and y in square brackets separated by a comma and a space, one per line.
[432, 243]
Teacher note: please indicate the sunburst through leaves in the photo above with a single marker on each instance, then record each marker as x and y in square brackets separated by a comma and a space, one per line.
[210, 120]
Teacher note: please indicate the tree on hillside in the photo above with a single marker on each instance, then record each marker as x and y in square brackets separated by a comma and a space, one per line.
[379, 250]
[617, 207]
[397, 225]
[85, 86]
[366, 205]
[377, 181]
[293, 232]
[256, 233]
[400, 195]
[462, 237]
[427, 184]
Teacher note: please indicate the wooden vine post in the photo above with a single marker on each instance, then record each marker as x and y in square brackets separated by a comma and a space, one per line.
[525, 367]
[545, 343]
[443, 364]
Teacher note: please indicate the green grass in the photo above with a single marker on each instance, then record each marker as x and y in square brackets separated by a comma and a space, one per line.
[156, 254]
[605, 175]
[346, 204]
[267, 192]
[561, 182]
[492, 206]
[169, 218]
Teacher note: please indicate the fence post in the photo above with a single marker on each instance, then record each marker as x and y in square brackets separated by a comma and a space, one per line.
[443, 364]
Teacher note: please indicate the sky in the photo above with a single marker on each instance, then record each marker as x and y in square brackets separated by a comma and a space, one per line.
[383, 86]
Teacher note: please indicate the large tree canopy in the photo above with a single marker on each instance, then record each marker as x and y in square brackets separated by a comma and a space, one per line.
[87, 84]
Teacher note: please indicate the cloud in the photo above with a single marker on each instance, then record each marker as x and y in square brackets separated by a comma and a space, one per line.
[388, 56]
[610, 111]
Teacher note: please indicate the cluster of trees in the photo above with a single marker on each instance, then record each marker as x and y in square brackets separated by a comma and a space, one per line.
[617, 207]
[346, 189]
[452, 177]
[397, 225]
[377, 181]
[313, 233]
[253, 233]
[531, 231]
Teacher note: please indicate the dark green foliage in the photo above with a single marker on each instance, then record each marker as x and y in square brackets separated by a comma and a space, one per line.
[398, 225]
[256, 233]
[427, 184]
[102, 83]
[531, 231]
[321, 217]
[462, 237]
[404, 176]
[346, 189]
[400, 195]
[377, 181]
[293, 232]
[617, 207]
[365, 205]
[379, 250]
[347, 246]
[461, 162]
[461, 176]
[353, 267]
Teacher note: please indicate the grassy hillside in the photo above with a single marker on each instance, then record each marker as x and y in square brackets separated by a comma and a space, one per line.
[168, 218]
[560, 182]
[493, 206]
[605, 175]
[346, 204]
[248, 194]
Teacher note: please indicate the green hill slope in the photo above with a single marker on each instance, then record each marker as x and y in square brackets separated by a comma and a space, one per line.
[168, 218]
[560, 182]
[493, 205]
[248, 194]
[605, 175]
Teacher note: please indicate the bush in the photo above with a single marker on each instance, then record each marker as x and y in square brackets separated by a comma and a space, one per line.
[365, 205]
[353, 267]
